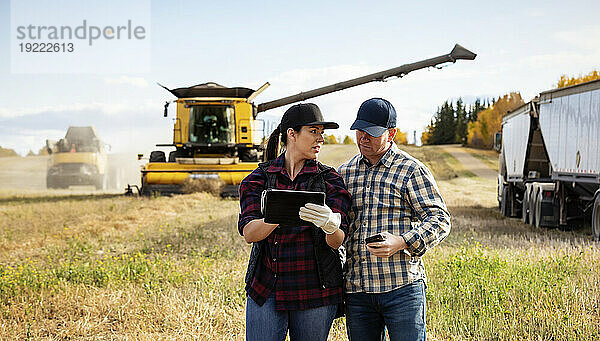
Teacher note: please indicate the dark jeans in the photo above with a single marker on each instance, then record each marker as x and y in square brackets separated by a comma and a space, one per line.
[265, 323]
[402, 311]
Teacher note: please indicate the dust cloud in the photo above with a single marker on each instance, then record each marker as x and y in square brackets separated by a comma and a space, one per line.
[29, 173]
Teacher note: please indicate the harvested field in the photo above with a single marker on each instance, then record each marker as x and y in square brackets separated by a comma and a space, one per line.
[105, 266]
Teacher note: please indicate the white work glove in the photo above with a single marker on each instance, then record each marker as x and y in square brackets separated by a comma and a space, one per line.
[321, 216]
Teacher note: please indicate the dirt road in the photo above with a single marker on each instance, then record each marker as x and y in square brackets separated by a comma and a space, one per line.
[470, 163]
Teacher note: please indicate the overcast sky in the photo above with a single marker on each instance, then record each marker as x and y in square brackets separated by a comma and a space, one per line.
[522, 46]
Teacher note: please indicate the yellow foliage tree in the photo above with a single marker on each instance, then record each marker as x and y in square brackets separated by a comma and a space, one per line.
[348, 140]
[568, 81]
[489, 121]
[401, 138]
[330, 139]
[427, 134]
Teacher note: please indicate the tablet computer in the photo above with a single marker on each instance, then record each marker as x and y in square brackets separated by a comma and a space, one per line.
[283, 206]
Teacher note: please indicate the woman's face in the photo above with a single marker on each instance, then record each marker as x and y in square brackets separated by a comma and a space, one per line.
[307, 142]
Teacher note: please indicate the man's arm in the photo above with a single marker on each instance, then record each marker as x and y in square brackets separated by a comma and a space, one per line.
[426, 201]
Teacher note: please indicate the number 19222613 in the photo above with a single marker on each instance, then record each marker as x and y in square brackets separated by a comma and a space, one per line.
[47, 47]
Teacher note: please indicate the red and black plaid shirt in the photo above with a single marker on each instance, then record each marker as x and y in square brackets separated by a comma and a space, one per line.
[287, 264]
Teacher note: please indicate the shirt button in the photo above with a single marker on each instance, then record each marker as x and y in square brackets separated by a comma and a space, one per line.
[275, 243]
[274, 259]
[275, 275]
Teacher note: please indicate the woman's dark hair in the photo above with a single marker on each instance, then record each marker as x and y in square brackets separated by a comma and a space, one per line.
[273, 142]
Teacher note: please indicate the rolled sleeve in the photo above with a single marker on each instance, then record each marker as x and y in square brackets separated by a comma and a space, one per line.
[338, 198]
[427, 203]
[250, 191]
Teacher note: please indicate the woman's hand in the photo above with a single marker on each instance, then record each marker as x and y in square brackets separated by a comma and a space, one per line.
[321, 216]
[325, 219]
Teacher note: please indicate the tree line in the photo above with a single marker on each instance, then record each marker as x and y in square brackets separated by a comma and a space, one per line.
[450, 123]
[475, 125]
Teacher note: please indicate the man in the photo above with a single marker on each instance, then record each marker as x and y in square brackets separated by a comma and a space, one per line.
[393, 195]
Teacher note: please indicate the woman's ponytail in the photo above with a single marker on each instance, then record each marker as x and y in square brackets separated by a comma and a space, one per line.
[273, 144]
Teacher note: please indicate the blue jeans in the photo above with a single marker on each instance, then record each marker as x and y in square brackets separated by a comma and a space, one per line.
[266, 323]
[401, 311]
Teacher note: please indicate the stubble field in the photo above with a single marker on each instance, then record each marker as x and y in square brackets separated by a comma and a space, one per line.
[107, 266]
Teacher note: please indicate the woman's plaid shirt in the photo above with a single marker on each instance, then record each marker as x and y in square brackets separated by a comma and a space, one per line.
[398, 195]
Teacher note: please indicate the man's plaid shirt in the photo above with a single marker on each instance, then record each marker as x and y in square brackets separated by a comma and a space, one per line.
[398, 195]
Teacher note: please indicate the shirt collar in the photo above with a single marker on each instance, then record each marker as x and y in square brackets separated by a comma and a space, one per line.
[387, 158]
[278, 165]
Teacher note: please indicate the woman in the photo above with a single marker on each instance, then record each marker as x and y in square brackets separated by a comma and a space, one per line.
[294, 278]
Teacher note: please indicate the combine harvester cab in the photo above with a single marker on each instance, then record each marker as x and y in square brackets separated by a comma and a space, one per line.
[78, 159]
[215, 138]
[550, 159]
[217, 135]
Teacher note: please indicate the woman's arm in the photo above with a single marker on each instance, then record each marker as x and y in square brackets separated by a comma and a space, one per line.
[257, 230]
[335, 239]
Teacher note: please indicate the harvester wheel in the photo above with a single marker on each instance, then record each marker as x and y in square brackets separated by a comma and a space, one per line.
[596, 219]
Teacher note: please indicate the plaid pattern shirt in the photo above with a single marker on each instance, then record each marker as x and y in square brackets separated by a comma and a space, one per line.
[398, 195]
[287, 264]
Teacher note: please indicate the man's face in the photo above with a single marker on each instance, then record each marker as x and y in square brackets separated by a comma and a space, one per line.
[372, 147]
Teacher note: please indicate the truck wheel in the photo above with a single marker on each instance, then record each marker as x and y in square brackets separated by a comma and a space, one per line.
[525, 206]
[596, 219]
[538, 209]
[505, 203]
[531, 203]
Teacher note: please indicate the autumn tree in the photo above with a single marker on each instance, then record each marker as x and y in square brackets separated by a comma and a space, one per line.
[348, 140]
[489, 121]
[568, 81]
[330, 139]
[401, 138]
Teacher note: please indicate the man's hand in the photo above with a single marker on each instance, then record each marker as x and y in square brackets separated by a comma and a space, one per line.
[388, 247]
[321, 216]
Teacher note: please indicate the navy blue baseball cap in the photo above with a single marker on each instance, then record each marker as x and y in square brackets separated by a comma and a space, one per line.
[375, 116]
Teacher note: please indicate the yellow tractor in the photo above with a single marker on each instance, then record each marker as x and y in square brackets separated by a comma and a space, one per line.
[217, 134]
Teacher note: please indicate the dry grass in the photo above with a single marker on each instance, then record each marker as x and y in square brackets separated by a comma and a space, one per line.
[115, 267]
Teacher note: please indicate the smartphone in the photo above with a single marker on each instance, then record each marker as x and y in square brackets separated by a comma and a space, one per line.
[374, 238]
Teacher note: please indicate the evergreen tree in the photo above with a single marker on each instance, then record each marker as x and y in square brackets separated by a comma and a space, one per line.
[461, 122]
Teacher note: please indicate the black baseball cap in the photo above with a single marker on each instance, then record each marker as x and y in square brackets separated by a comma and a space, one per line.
[375, 116]
[304, 114]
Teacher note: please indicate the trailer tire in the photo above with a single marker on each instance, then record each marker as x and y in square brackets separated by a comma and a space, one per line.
[596, 219]
[505, 203]
[525, 205]
[538, 209]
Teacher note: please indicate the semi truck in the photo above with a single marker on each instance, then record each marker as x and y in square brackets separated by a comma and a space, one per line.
[549, 174]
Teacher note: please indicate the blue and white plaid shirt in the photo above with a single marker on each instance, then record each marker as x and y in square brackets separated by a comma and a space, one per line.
[398, 195]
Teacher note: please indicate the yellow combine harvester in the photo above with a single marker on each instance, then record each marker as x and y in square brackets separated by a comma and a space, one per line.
[217, 135]
[77, 159]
